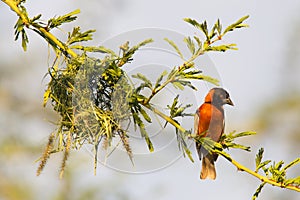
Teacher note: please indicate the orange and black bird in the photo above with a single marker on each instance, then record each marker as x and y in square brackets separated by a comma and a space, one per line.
[209, 122]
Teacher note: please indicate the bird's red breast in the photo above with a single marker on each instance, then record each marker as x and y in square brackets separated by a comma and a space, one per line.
[211, 121]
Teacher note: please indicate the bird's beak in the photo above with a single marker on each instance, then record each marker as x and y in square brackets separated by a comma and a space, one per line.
[229, 102]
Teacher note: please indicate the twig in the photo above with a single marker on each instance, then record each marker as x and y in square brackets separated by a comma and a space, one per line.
[253, 173]
[39, 29]
[225, 155]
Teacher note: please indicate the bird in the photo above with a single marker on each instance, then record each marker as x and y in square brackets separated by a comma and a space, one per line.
[209, 122]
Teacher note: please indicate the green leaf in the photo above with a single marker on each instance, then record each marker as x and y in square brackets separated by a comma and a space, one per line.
[222, 48]
[213, 32]
[237, 24]
[178, 110]
[138, 122]
[199, 43]
[218, 27]
[259, 157]
[237, 146]
[204, 29]
[209, 144]
[99, 49]
[190, 44]
[262, 165]
[19, 29]
[291, 164]
[145, 115]
[144, 79]
[295, 181]
[143, 43]
[136, 119]
[18, 3]
[227, 140]
[245, 133]
[185, 82]
[36, 18]
[178, 85]
[173, 72]
[193, 22]
[55, 22]
[149, 143]
[139, 45]
[140, 88]
[159, 79]
[175, 47]
[46, 96]
[128, 53]
[124, 47]
[77, 36]
[174, 104]
[209, 79]
[24, 40]
[278, 165]
[103, 49]
[188, 153]
[258, 191]
[183, 144]
[202, 26]
[278, 174]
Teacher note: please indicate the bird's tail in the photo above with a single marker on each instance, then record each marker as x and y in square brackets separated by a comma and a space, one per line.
[208, 167]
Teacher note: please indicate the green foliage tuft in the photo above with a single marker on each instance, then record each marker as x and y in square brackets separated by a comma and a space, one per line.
[77, 36]
[258, 191]
[58, 21]
[236, 25]
[227, 140]
[19, 29]
[178, 110]
[212, 36]
[175, 47]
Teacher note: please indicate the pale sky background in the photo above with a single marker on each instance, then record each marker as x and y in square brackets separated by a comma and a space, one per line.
[251, 75]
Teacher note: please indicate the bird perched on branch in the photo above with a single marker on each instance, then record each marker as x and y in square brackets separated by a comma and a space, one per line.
[209, 122]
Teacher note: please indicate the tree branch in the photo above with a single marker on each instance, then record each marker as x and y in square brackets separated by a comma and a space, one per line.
[39, 29]
[255, 174]
[225, 155]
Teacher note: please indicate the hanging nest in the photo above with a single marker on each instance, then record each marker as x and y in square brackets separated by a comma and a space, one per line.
[93, 98]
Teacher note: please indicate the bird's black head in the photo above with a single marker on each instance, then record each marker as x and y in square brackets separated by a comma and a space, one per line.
[218, 97]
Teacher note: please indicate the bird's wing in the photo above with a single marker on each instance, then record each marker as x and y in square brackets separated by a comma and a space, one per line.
[196, 122]
[216, 127]
[196, 130]
[223, 126]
